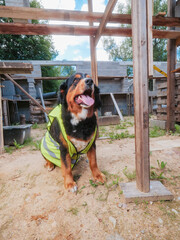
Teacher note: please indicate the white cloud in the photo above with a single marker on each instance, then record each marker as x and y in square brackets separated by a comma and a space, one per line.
[61, 43]
[59, 4]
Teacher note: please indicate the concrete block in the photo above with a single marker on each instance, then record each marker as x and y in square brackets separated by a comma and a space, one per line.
[108, 120]
[157, 192]
[159, 123]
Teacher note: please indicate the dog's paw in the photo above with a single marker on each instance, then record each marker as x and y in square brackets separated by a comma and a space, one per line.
[100, 177]
[71, 187]
[50, 166]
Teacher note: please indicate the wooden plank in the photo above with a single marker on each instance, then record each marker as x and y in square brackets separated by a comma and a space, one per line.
[42, 101]
[1, 124]
[47, 29]
[94, 71]
[157, 192]
[162, 85]
[140, 68]
[5, 112]
[9, 67]
[177, 70]
[116, 106]
[150, 44]
[67, 15]
[26, 93]
[171, 64]
[107, 13]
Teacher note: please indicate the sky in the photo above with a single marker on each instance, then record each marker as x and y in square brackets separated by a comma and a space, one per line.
[76, 48]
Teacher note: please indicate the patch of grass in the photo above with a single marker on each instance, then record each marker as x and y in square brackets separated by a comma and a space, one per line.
[74, 211]
[9, 149]
[35, 126]
[156, 132]
[121, 135]
[130, 175]
[177, 128]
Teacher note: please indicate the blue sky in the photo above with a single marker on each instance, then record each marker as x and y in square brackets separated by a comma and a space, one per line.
[76, 47]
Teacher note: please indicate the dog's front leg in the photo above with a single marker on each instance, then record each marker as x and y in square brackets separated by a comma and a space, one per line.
[97, 174]
[66, 170]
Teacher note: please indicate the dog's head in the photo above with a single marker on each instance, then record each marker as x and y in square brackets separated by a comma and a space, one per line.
[78, 92]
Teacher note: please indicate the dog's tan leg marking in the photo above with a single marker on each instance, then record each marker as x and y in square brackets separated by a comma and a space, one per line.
[67, 174]
[49, 165]
[97, 174]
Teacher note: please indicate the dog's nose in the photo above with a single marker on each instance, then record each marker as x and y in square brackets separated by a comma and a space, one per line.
[89, 82]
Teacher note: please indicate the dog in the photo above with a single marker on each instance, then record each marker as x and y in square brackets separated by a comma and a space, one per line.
[72, 128]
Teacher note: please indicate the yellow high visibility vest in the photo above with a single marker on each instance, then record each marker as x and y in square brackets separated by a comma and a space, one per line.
[50, 149]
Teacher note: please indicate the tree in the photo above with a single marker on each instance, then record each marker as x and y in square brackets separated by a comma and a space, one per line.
[123, 51]
[25, 47]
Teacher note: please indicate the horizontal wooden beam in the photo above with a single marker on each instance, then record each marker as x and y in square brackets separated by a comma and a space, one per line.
[47, 29]
[79, 16]
[9, 67]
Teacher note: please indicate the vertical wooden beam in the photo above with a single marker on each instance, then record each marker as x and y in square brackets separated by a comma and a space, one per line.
[140, 71]
[150, 45]
[1, 125]
[171, 65]
[94, 71]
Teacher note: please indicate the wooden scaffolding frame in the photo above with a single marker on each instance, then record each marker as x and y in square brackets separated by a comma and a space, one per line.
[142, 34]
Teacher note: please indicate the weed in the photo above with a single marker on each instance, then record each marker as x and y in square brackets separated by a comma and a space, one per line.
[129, 175]
[17, 145]
[121, 192]
[162, 164]
[177, 128]
[9, 149]
[155, 176]
[156, 132]
[121, 135]
[103, 197]
[35, 126]
[74, 211]
[93, 184]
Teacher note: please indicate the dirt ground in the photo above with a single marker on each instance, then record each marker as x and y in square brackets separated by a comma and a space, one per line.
[35, 205]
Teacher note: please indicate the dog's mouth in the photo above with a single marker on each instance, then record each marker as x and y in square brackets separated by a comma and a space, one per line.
[85, 99]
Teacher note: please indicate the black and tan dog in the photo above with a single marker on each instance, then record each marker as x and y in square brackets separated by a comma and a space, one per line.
[72, 128]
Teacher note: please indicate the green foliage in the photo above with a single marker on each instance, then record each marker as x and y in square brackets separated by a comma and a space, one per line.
[74, 211]
[130, 175]
[155, 176]
[123, 51]
[121, 135]
[177, 128]
[161, 164]
[26, 47]
[156, 132]
[55, 71]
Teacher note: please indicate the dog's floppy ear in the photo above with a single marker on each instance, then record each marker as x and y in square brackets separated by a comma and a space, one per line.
[97, 103]
[62, 93]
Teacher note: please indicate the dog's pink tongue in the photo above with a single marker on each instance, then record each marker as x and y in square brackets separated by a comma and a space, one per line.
[85, 99]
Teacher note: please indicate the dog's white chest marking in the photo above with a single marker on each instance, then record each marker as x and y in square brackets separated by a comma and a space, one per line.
[80, 116]
[80, 144]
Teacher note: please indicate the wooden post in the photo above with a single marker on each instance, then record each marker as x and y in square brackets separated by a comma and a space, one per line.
[140, 72]
[171, 65]
[150, 45]
[94, 71]
[1, 125]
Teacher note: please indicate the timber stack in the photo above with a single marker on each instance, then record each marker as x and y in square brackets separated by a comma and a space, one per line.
[37, 115]
[162, 101]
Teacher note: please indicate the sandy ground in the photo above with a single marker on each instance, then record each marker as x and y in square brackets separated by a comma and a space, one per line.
[35, 205]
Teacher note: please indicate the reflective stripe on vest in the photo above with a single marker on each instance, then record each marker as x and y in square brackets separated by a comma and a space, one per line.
[50, 149]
